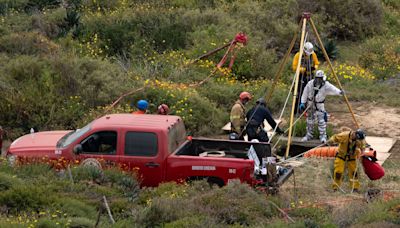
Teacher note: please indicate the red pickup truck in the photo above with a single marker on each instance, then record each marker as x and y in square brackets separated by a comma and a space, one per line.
[155, 145]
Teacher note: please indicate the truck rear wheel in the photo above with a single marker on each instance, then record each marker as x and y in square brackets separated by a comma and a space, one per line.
[215, 181]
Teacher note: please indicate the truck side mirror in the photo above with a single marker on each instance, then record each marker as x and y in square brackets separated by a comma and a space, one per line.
[77, 149]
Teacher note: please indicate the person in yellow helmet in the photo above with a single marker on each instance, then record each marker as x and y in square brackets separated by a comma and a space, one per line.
[309, 64]
[351, 146]
[238, 116]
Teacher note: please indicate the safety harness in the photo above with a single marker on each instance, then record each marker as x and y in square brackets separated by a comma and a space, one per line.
[350, 149]
[314, 98]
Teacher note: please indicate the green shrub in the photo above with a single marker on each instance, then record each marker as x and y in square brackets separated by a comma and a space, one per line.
[380, 211]
[312, 216]
[33, 5]
[73, 222]
[8, 5]
[21, 197]
[34, 170]
[55, 93]
[194, 221]
[75, 208]
[381, 55]
[125, 181]
[348, 20]
[87, 173]
[7, 181]
[300, 129]
[120, 208]
[27, 43]
[81, 222]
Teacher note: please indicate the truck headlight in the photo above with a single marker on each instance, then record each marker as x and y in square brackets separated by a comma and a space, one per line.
[12, 159]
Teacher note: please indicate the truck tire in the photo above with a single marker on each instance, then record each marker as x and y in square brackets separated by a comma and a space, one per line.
[215, 181]
[91, 162]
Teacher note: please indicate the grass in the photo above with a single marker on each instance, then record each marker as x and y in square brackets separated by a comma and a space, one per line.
[31, 201]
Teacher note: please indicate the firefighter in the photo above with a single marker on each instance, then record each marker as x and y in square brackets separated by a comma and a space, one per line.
[314, 96]
[238, 116]
[351, 146]
[163, 109]
[309, 64]
[255, 118]
[142, 105]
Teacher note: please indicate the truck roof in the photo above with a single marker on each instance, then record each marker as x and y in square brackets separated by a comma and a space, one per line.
[144, 120]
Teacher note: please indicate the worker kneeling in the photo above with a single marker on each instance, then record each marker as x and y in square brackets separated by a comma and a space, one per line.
[256, 117]
[314, 94]
[351, 146]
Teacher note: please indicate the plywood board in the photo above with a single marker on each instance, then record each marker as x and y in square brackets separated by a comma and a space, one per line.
[382, 145]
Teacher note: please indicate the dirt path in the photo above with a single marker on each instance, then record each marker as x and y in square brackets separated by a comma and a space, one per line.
[375, 120]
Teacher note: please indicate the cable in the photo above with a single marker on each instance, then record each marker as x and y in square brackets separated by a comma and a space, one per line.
[294, 123]
[284, 107]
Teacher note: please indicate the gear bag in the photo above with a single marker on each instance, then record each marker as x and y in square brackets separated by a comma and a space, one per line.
[372, 169]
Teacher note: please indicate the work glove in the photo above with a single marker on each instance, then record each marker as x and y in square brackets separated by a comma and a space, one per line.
[302, 106]
[279, 131]
[328, 143]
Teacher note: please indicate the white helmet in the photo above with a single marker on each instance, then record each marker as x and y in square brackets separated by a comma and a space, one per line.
[320, 74]
[308, 48]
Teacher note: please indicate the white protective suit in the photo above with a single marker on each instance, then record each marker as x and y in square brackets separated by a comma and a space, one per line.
[315, 100]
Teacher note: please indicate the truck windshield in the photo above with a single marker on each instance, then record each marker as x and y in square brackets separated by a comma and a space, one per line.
[70, 137]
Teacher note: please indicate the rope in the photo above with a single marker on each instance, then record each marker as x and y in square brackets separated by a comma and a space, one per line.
[299, 155]
[283, 109]
[294, 123]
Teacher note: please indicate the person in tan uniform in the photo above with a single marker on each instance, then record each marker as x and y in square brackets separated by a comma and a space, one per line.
[238, 116]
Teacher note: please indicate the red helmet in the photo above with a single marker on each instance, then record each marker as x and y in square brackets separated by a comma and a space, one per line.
[163, 109]
[245, 95]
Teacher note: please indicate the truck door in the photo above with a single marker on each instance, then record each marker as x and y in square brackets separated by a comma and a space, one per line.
[100, 145]
[141, 152]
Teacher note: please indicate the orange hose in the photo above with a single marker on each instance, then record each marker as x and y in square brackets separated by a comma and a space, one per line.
[327, 151]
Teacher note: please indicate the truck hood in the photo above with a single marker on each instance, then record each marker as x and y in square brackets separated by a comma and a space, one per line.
[36, 144]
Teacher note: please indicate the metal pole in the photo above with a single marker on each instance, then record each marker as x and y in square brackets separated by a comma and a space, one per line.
[283, 63]
[211, 52]
[296, 85]
[333, 72]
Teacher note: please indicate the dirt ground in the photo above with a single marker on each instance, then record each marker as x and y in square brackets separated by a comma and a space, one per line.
[376, 120]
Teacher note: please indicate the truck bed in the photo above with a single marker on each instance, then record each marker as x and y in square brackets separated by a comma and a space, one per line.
[222, 148]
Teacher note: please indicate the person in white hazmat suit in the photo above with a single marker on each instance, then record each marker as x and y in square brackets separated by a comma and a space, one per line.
[314, 96]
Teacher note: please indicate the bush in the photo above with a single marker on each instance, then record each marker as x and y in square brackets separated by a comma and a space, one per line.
[75, 208]
[220, 206]
[348, 20]
[35, 5]
[21, 197]
[27, 43]
[300, 129]
[127, 182]
[381, 55]
[7, 181]
[55, 93]
[8, 5]
[33, 170]
[87, 173]
[312, 216]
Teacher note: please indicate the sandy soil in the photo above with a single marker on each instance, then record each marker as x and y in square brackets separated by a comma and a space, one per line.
[375, 120]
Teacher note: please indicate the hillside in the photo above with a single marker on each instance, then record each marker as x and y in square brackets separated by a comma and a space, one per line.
[64, 63]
